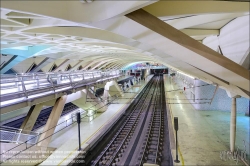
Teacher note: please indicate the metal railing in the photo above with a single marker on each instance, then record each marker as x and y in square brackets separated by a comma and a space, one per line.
[19, 148]
[14, 135]
[59, 127]
[28, 85]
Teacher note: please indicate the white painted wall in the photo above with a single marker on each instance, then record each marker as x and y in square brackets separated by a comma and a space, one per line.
[233, 39]
[212, 42]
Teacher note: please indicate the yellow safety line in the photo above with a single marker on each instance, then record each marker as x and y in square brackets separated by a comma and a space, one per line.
[170, 110]
[182, 159]
[89, 137]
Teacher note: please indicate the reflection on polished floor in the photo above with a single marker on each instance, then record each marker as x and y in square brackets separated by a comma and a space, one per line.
[203, 135]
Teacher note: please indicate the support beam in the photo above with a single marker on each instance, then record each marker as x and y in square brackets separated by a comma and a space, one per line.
[63, 63]
[6, 64]
[153, 23]
[80, 64]
[42, 64]
[92, 65]
[217, 86]
[245, 61]
[175, 8]
[220, 50]
[50, 102]
[113, 88]
[100, 63]
[49, 128]
[21, 55]
[100, 66]
[86, 100]
[105, 64]
[200, 32]
[88, 65]
[76, 65]
[31, 117]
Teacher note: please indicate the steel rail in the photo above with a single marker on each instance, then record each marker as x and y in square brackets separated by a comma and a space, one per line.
[156, 115]
[96, 161]
[151, 124]
[116, 157]
[161, 112]
[119, 130]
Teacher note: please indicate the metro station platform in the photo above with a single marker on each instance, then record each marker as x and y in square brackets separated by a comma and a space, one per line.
[66, 141]
[203, 136]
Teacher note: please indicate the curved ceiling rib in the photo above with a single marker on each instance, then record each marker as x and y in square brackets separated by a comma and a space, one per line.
[97, 39]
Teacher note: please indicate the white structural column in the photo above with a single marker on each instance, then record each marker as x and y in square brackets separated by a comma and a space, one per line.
[111, 89]
[49, 128]
[31, 117]
[233, 125]
[87, 101]
[233, 119]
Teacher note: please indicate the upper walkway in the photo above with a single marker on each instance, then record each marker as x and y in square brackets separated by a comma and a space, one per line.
[64, 141]
[21, 90]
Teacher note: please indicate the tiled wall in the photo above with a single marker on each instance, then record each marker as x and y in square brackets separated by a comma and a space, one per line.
[221, 101]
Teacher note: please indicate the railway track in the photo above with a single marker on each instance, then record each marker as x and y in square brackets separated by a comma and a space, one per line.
[138, 138]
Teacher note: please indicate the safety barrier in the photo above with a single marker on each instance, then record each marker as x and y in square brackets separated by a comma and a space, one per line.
[24, 86]
[14, 135]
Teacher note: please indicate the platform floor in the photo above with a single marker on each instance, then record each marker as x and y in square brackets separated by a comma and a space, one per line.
[203, 135]
[66, 141]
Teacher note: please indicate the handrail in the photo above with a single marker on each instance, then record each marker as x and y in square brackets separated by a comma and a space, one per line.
[26, 85]
[33, 76]
[15, 154]
[7, 127]
[17, 135]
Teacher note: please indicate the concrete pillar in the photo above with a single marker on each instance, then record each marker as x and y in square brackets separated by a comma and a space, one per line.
[110, 90]
[233, 119]
[106, 96]
[49, 128]
[233, 125]
[31, 117]
[87, 100]
[113, 88]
